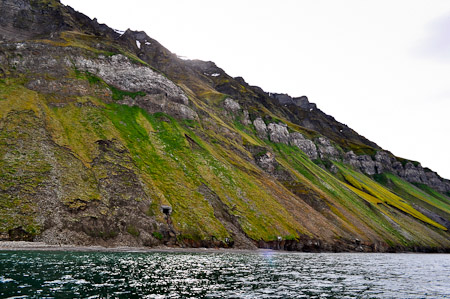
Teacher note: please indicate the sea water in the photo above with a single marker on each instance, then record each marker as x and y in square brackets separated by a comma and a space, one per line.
[262, 274]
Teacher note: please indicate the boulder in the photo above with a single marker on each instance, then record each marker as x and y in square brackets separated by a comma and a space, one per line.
[367, 165]
[278, 133]
[306, 145]
[231, 105]
[327, 150]
[261, 128]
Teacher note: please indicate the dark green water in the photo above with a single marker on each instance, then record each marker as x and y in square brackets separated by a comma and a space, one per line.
[222, 275]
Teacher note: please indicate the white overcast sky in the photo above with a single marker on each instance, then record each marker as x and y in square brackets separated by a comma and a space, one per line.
[381, 67]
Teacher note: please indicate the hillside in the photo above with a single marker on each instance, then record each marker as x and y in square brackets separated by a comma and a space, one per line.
[108, 138]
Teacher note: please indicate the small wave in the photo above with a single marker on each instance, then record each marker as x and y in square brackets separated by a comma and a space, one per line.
[5, 279]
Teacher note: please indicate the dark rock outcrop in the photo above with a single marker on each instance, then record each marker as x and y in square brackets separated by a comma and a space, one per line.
[37, 19]
[301, 102]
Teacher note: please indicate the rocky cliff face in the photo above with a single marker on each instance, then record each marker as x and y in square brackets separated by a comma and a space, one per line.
[384, 162]
[111, 139]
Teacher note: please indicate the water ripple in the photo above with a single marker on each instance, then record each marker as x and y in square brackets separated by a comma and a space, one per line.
[223, 275]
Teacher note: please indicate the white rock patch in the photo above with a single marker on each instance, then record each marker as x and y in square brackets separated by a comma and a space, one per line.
[117, 70]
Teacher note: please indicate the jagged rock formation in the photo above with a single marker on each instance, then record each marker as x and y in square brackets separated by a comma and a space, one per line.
[301, 102]
[305, 145]
[384, 162]
[109, 138]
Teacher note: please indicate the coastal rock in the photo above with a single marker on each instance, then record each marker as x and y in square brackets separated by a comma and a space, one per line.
[65, 88]
[334, 169]
[398, 169]
[270, 165]
[417, 174]
[283, 99]
[278, 133]
[306, 145]
[21, 20]
[435, 182]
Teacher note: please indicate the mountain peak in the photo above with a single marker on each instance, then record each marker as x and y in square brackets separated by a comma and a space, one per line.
[44, 19]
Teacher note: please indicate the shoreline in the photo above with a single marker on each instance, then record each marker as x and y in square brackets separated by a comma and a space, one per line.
[41, 246]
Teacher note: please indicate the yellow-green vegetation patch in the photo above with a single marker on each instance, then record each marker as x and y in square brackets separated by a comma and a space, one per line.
[370, 198]
[403, 186]
[213, 97]
[357, 147]
[78, 128]
[78, 40]
[16, 212]
[132, 230]
[16, 98]
[370, 187]
[342, 194]
[23, 170]
[434, 193]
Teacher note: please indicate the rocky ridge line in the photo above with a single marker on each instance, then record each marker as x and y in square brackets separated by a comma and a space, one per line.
[323, 148]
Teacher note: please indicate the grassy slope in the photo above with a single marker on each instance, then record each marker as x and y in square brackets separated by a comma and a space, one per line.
[378, 195]
[172, 169]
[357, 210]
[165, 161]
[433, 198]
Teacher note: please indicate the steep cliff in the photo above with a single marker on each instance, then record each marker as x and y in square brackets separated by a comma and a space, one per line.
[109, 138]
